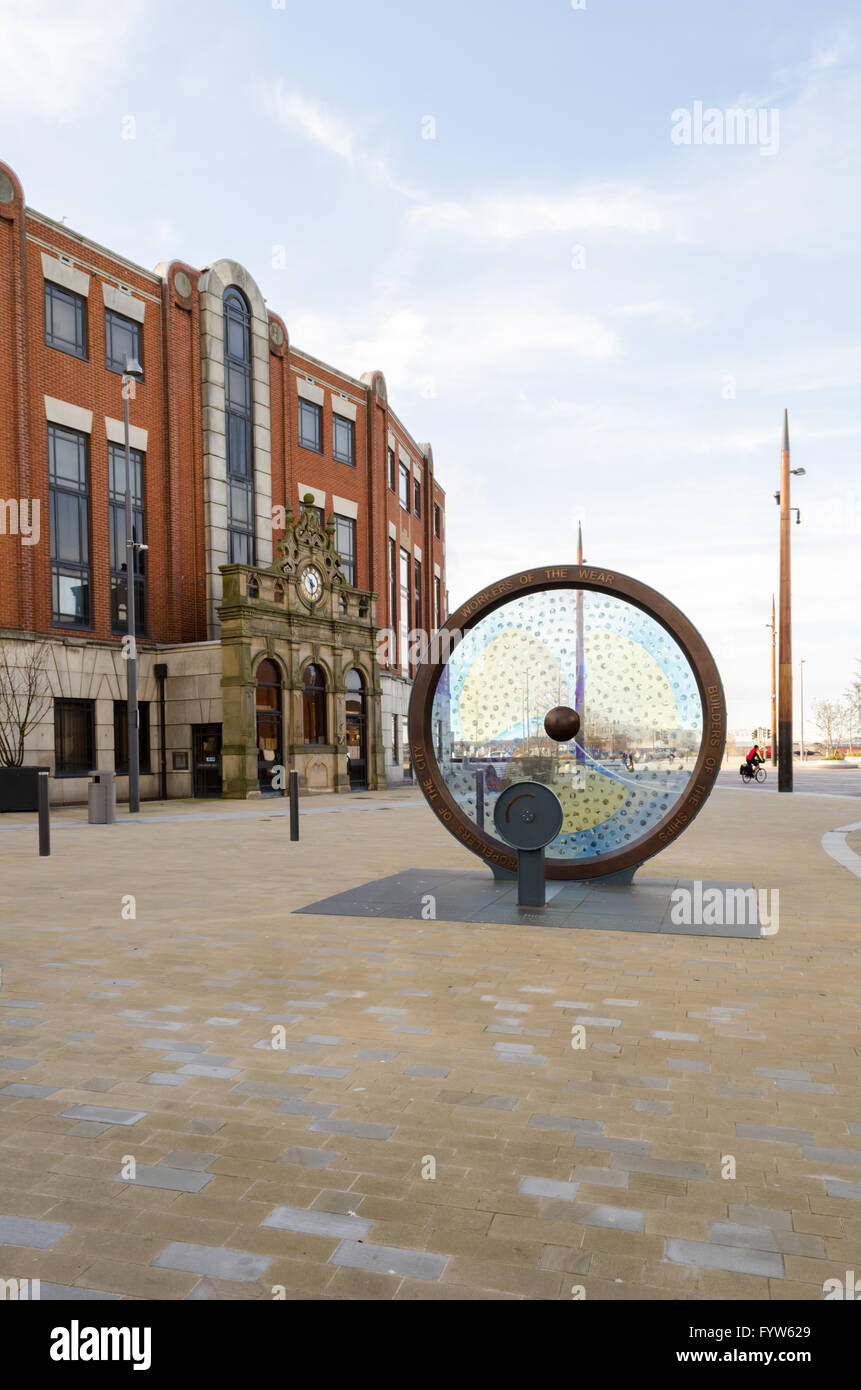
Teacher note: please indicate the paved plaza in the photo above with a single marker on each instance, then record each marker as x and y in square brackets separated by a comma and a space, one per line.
[425, 1129]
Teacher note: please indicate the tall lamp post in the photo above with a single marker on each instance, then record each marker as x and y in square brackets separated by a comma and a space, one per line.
[784, 700]
[133, 373]
[773, 626]
[801, 665]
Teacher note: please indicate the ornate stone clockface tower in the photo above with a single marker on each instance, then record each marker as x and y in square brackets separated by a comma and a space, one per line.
[300, 681]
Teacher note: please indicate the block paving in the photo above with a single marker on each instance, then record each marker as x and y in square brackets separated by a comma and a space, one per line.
[422, 1127]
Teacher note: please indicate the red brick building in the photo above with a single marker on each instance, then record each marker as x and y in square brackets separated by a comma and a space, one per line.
[231, 427]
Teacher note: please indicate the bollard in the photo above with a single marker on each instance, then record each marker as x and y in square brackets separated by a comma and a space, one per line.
[44, 808]
[479, 798]
[294, 806]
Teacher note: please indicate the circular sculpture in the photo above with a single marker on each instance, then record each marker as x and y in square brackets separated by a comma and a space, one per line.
[528, 815]
[495, 702]
[562, 723]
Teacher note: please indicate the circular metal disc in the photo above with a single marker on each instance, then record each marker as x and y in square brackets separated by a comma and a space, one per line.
[528, 815]
[641, 680]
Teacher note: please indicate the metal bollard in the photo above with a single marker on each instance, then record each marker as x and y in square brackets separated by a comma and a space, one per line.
[294, 806]
[44, 809]
[479, 799]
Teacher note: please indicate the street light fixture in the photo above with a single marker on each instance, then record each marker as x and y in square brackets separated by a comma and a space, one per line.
[132, 374]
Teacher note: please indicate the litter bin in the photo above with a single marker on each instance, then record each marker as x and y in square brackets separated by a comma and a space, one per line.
[102, 799]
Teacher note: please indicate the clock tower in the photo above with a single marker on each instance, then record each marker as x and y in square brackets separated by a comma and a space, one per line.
[300, 680]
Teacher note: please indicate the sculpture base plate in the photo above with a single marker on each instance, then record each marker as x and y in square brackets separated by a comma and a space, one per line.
[584, 905]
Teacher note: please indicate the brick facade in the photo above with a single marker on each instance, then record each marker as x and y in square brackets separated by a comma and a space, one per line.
[180, 405]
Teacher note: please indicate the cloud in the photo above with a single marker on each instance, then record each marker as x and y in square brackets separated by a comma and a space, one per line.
[313, 121]
[418, 347]
[58, 53]
[509, 219]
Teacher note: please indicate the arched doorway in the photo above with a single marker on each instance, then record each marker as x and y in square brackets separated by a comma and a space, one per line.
[357, 729]
[270, 742]
[314, 704]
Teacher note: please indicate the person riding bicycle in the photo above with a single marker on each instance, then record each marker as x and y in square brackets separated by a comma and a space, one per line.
[753, 759]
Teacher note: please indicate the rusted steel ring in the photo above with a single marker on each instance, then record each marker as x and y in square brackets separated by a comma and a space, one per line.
[590, 578]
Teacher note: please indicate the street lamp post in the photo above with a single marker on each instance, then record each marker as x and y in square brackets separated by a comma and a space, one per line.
[132, 374]
[773, 626]
[801, 675]
[784, 703]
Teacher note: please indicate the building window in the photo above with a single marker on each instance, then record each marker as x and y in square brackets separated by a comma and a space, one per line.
[74, 737]
[238, 419]
[393, 592]
[406, 756]
[343, 440]
[121, 737]
[405, 612]
[393, 470]
[437, 602]
[417, 497]
[65, 320]
[119, 550]
[68, 473]
[396, 725]
[310, 425]
[345, 544]
[122, 341]
[405, 487]
[417, 607]
[437, 521]
[314, 704]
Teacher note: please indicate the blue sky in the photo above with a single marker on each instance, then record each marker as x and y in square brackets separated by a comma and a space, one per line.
[585, 318]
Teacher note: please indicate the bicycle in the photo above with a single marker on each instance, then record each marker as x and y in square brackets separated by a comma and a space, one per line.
[748, 774]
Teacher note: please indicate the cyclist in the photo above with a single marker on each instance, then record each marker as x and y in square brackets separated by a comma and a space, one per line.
[753, 759]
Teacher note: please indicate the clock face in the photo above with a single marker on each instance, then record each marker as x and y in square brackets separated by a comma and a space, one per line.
[311, 583]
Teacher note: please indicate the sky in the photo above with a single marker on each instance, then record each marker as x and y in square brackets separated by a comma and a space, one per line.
[590, 316]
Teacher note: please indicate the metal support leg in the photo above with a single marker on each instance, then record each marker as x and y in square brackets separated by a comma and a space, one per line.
[479, 799]
[531, 883]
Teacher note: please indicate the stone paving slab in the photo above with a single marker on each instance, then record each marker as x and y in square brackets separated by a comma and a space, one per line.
[411, 1164]
[478, 897]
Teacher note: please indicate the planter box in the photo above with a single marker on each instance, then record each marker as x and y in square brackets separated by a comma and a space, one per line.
[18, 788]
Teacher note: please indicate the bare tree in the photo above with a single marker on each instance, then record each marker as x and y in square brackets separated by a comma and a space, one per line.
[853, 709]
[830, 717]
[24, 700]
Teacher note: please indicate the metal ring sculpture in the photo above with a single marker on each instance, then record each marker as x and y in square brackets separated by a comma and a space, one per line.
[594, 652]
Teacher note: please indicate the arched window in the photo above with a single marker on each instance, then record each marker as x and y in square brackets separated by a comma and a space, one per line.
[269, 741]
[238, 428]
[357, 722]
[314, 704]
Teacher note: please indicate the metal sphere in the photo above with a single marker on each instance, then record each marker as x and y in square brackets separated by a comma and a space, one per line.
[561, 723]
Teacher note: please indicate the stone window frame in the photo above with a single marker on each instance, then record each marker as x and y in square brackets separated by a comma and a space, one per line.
[303, 409]
[111, 362]
[212, 285]
[350, 456]
[87, 709]
[79, 304]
